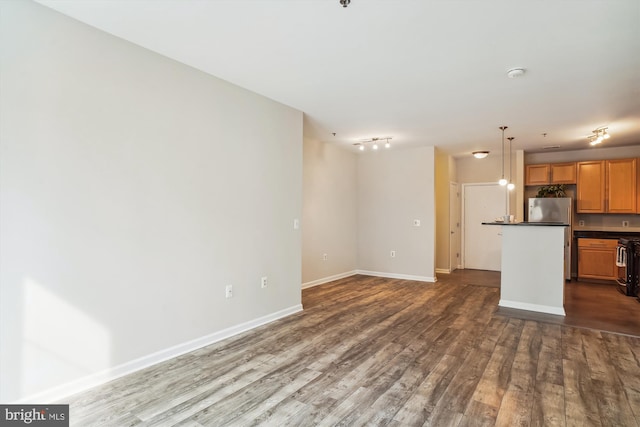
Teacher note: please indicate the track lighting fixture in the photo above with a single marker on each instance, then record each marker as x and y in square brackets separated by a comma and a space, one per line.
[375, 141]
[598, 136]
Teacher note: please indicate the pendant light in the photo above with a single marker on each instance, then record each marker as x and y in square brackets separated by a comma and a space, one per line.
[510, 185]
[502, 180]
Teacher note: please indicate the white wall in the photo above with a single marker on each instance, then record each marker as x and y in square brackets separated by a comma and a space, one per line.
[133, 189]
[394, 188]
[329, 223]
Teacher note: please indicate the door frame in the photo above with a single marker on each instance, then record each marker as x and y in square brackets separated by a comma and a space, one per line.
[455, 240]
[463, 242]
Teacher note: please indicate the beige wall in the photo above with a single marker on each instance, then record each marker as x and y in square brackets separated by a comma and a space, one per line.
[394, 188]
[598, 153]
[442, 190]
[133, 190]
[329, 208]
[489, 169]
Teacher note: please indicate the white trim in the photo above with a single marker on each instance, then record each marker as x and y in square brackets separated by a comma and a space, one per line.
[397, 276]
[559, 311]
[443, 271]
[60, 392]
[328, 279]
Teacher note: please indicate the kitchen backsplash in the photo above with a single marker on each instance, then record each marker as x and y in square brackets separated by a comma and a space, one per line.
[606, 220]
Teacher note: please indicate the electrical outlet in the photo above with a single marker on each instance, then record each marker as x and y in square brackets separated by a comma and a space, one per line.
[416, 223]
[625, 223]
[581, 223]
[263, 282]
[296, 224]
[392, 254]
[229, 291]
[325, 257]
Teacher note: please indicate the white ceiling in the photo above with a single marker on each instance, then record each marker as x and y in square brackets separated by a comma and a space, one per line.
[426, 72]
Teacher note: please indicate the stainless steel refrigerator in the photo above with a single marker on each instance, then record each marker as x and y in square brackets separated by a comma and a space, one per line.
[554, 210]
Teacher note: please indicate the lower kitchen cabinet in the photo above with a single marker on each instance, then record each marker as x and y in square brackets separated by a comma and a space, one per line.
[597, 259]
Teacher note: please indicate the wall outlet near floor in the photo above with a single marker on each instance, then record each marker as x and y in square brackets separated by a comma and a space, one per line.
[581, 223]
[229, 291]
[263, 282]
[625, 223]
[392, 254]
[325, 257]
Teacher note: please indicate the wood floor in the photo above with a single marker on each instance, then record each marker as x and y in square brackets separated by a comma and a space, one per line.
[373, 351]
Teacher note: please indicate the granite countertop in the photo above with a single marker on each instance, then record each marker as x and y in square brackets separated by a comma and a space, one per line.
[524, 223]
[607, 228]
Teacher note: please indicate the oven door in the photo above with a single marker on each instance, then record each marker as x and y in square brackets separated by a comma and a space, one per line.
[624, 263]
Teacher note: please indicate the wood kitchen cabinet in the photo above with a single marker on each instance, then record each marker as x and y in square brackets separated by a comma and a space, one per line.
[563, 173]
[621, 186]
[637, 188]
[590, 187]
[607, 186]
[597, 259]
[537, 175]
[553, 173]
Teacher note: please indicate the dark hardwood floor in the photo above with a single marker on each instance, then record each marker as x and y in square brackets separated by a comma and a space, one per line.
[374, 351]
[587, 304]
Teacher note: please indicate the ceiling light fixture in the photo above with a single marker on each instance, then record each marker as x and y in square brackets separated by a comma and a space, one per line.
[361, 144]
[510, 185]
[502, 180]
[480, 154]
[345, 3]
[598, 136]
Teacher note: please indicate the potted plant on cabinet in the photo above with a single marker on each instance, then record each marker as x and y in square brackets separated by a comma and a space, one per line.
[555, 190]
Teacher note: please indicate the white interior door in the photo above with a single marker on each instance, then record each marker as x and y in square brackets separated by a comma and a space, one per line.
[482, 243]
[455, 260]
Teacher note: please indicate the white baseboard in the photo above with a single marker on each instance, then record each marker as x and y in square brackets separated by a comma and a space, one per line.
[397, 276]
[58, 393]
[443, 271]
[328, 279]
[559, 311]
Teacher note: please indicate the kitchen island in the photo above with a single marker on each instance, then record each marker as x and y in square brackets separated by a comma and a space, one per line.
[532, 265]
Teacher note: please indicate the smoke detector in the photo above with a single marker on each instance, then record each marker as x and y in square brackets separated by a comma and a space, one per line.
[515, 72]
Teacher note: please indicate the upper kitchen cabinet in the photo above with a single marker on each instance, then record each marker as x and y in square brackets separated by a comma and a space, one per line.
[590, 187]
[606, 186]
[621, 186]
[537, 175]
[554, 173]
[563, 173]
[637, 189]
